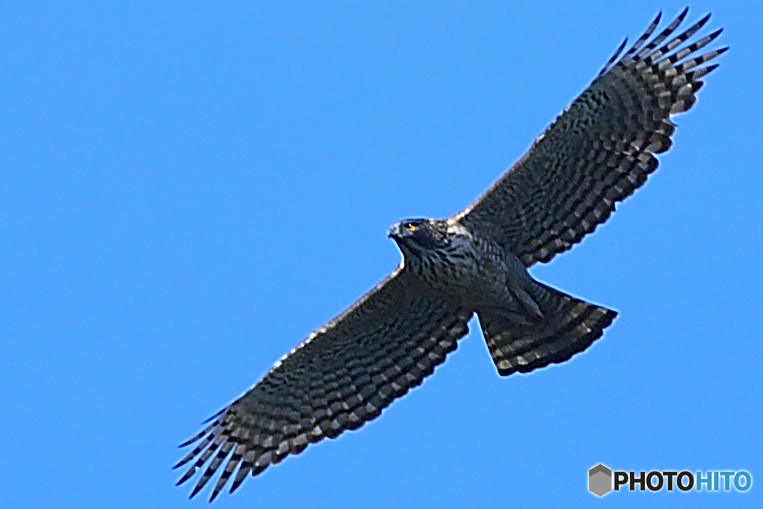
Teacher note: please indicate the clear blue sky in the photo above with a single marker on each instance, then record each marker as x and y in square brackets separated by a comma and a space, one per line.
[187, 190]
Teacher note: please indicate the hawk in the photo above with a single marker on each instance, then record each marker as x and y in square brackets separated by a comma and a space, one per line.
[595, 154]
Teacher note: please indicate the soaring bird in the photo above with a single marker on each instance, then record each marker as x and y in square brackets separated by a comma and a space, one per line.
[595, 154]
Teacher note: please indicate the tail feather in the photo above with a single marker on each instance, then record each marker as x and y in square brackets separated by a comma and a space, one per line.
[569, 326]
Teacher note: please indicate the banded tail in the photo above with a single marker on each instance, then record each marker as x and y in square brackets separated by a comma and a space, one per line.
[523, 344]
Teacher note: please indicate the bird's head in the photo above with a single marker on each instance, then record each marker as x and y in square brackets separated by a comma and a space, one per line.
[419, 235]
[422, 237]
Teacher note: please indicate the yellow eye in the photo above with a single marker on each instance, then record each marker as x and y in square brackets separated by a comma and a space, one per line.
[411, 227]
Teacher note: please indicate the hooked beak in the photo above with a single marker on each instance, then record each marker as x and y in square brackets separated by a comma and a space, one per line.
[394, 231]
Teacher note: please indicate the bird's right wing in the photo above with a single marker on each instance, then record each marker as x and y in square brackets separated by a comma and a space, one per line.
[598, 151]
[339, 378]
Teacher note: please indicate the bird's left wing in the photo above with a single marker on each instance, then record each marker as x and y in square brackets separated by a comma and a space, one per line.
[340, 377]
[599, 150]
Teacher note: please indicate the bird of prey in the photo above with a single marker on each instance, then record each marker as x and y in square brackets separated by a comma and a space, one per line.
[595, 154]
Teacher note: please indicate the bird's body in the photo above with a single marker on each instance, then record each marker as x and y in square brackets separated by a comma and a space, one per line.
[526, 324]
[457, 263]
[595, 154]
[466, 266]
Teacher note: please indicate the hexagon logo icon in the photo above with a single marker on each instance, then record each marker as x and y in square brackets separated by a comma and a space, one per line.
[600, 480]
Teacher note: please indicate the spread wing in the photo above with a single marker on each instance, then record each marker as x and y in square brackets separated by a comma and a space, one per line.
[599, 150]
[340, 377]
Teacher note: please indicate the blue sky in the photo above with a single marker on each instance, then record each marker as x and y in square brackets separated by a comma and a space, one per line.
[188, 189]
